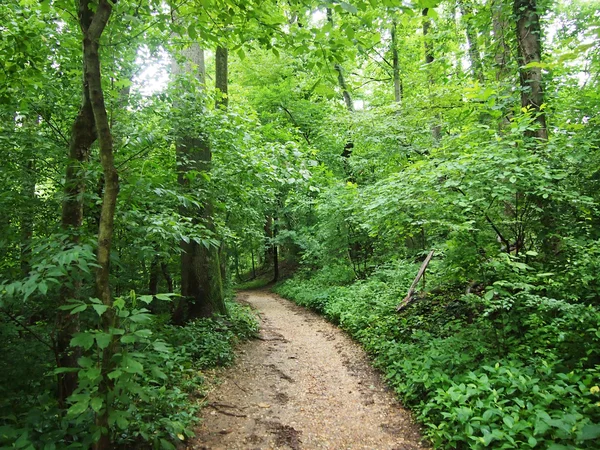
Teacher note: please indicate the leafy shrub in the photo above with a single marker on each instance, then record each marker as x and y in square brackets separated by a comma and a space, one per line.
[156, 370]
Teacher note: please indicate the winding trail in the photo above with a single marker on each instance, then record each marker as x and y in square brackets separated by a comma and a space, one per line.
[303, 384]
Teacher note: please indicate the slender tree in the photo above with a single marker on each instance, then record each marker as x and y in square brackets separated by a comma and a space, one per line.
[530, 53]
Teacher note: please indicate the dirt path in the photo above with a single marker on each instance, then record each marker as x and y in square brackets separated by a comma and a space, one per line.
[302, 385]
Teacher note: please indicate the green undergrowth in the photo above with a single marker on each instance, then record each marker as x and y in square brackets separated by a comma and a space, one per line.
[256, 283]
[158, 381]
[510, 370]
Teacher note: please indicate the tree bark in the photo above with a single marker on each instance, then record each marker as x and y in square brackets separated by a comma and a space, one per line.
[396, 65]
[466, 11]
[222, 101]
[83, 135]
[27, 215]
[221, 82]
[342, 81]
[500, 28]
[275, 251]
[91, 44]
[529, 51]
[201, 282]
[436, 129]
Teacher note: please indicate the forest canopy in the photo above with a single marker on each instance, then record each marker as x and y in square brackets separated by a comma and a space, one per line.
[156, 153]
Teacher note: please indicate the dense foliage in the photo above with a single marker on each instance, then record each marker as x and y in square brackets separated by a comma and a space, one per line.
[154, 152]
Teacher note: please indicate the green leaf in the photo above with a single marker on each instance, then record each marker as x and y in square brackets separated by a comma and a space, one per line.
[192, 32]
[103, 340]
[85, 340]
[158, 373]
[130, 365]
[100, 309]
[161, 346]
[78, 408]
[144, 333]
[147, 299]
[508, 421]
[589, 432]
[349, 8]
[79, 309]
[96, 404]
[166, 445]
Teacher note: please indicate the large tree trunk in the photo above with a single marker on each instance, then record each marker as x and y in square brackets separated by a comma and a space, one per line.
[83, 135]
[530, 51]
[201, 283]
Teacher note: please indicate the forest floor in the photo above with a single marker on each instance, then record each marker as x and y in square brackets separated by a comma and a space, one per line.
[303, 384]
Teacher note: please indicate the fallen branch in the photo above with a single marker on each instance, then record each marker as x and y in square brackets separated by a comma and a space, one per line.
[227, 413]
[413, 286]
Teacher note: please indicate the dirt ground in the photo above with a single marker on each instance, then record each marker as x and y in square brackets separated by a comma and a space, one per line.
[303, 384]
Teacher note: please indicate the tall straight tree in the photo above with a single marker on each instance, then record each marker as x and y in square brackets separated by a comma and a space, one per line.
[83, 135]
[396, 64]
[201, 282]
[92, 31]
[222, 100]
[436, 129]
[530, 53]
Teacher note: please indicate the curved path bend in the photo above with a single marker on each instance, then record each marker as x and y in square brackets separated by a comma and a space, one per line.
[303, 384]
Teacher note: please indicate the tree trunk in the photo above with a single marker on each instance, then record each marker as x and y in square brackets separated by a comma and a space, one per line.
[466, 11]
[91, 43]
[338, 68]
[221, 100]
[268, 252]
[221, 82]
[201, 282]
[344, 87]
[154, 275]
[530, 51]
[500, 29]
[83, 135]
[275, 251]
[436, 129]
[396, 66]
[27, 214]
[167, 275]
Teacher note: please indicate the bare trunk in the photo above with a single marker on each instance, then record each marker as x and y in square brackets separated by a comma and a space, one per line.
[436, 129]
[275, 251]
[83, 135]
[27, 214]
[221, 83]
[91, 43]
[165, 271]
[154, 275]
[529, 51]
[344, 87]
[396, 66]
[222, 100]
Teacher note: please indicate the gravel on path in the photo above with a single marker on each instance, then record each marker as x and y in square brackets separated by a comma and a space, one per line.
[303, 384]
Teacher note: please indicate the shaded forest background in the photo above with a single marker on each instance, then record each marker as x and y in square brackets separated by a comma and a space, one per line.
[155, 153]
